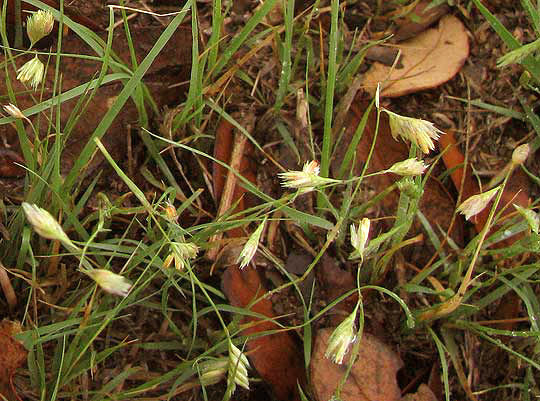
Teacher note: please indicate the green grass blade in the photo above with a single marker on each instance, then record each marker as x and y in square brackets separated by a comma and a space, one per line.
[122, 98]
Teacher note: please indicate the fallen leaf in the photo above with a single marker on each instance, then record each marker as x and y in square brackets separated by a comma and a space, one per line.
[429, 59]
[232, 149]
[422, 17]
[384, 55]
[372, 377]
[424, 393]
[223, 148]
[12, 357]
[9, 164]
[276, 357]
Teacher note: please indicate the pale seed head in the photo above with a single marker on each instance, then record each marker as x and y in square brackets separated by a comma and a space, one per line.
[420, 132]
[238, 366]
[306, 180]
[408, 167]
[14, 111]
[251, 246]
[341, 338]
[520, 154]
[45, 224]
[110, 282]
[180, 253]
[359, 238]
[31, 72]
[476, 203]
[39, 25]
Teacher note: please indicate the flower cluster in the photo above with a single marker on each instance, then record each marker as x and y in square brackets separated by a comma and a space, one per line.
[238, 366]
[31, 72]
[38, 25]
[359, 238]
[110, 282]
[341, 338]
[45, 224]
[408, 167]
[251, 246]
[420, 132]
[181, 253]
[306, 180]
[476, 203]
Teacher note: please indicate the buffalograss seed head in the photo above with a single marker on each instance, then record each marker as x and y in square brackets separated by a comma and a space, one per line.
[420, 132]
[39, 25]
[359, 238]
[238, 366]
[408, 167]
[45, 224]
[170, 212]
[31, 72]
[181, 253]
[110, 282]
[520, 154]
[476, 203]
[306, 180]
[251, 246]
[341, 338]
[14, 111]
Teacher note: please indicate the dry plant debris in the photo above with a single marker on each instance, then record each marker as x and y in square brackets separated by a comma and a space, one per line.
[372, 377]
[429, 60]
[12, 357]
[276, 357]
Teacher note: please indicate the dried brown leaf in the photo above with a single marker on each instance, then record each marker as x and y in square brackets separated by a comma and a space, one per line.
[372, 378]
[424, 393]
[429, 59]
[12, 356]
[422, 17]
[276, 357]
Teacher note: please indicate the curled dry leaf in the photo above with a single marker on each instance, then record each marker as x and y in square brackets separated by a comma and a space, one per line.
[372, 378]
[276, 357]
[429, 59]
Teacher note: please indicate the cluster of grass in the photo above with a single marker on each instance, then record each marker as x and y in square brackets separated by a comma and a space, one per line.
[73, 331]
